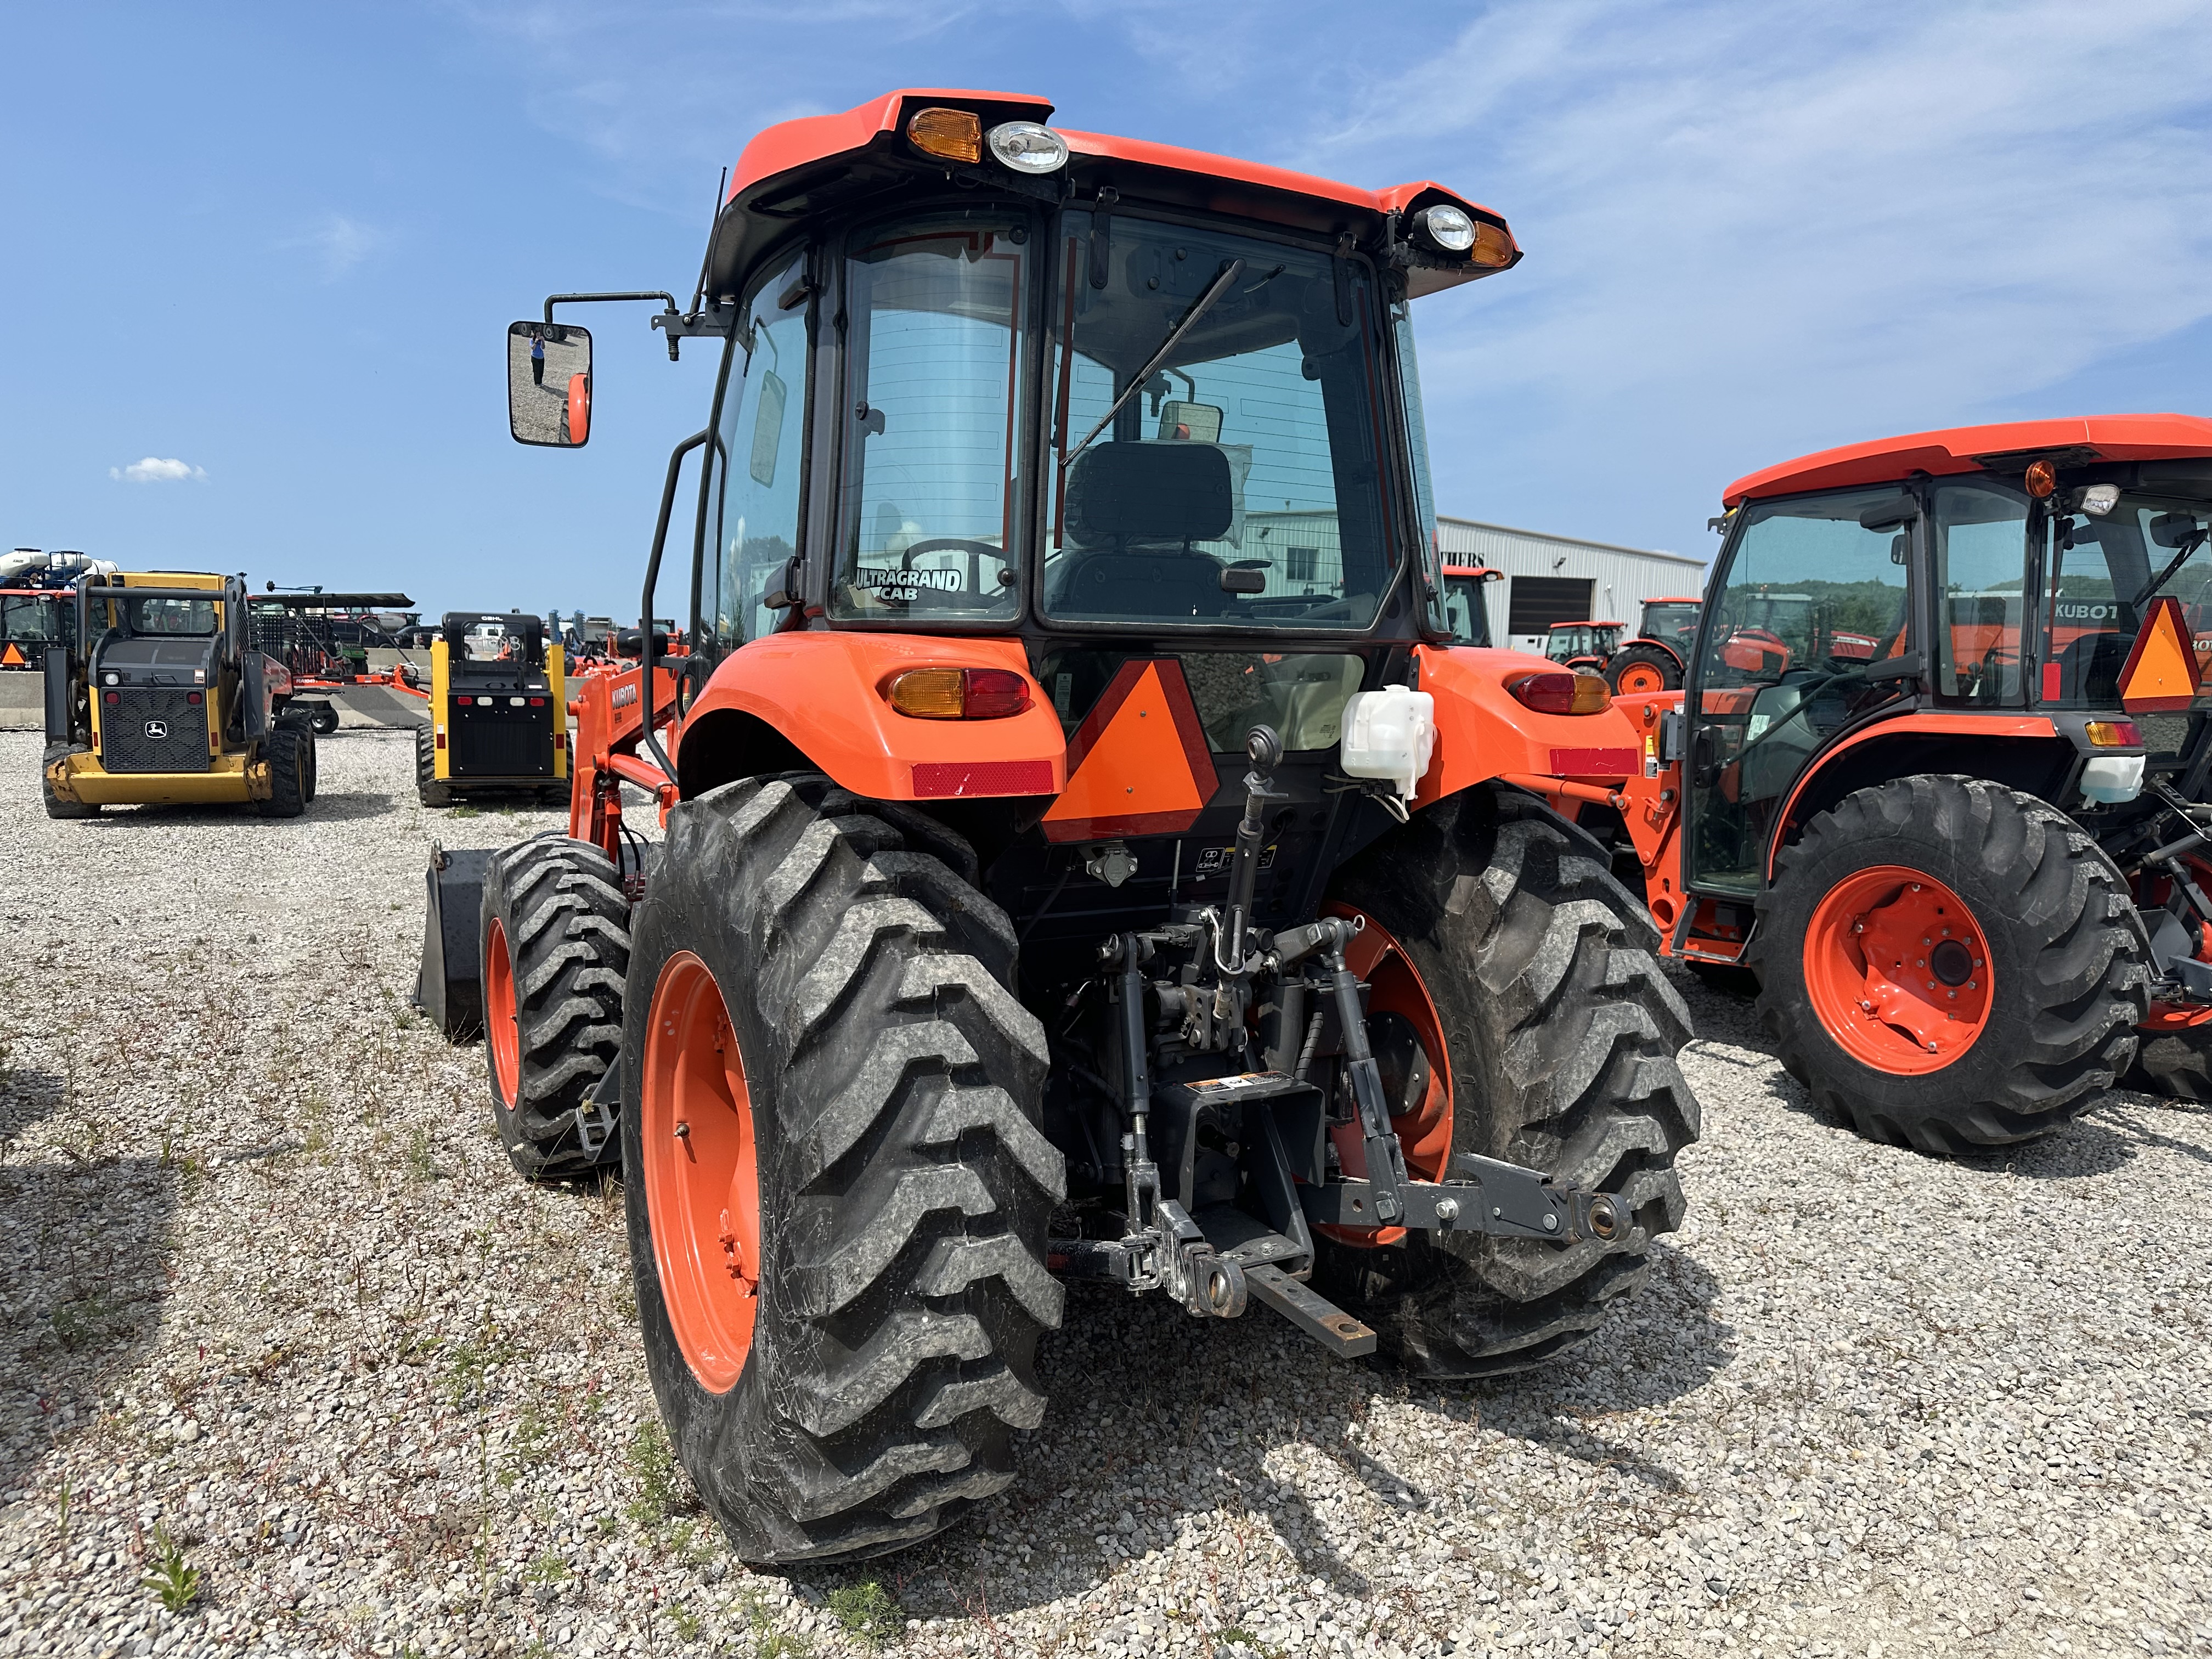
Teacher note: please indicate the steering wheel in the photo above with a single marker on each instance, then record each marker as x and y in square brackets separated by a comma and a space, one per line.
[976, 551]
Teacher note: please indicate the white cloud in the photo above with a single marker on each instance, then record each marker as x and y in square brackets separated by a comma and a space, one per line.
[154, 469]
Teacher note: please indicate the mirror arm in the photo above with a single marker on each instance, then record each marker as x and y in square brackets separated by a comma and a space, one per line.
[650, 709]
[713, 319]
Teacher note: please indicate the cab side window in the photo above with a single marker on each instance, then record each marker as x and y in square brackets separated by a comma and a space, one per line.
[1806, 603]
[758, 453]
[1981, 608]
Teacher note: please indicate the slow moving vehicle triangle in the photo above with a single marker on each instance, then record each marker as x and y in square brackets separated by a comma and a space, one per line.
[2162, 669]
[1137, 764]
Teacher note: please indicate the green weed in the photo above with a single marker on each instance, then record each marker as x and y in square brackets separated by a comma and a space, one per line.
[469, 1364]
[466, 812]
[662, 1491]
[867, 1612]
[548, 1569]
[685, 1623]
[174, 1580]
[420, 1166]
[769, 1643]
[532, 1443]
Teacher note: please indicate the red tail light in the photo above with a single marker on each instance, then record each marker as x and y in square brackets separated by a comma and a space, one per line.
[957, 694]
[1558, 692]
[194, 698]
[115, 697]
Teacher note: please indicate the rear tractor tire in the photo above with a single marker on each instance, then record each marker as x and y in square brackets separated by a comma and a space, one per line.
[1505, 940]
[553, 940]
[1642, 668]
[838, 1193]
[1946, 963]
[56, 806]
[429, 788]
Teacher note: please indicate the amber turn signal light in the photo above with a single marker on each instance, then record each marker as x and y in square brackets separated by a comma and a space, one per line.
[956, 134]
[2042, 479]
[957, 694]
[1493, 248]
[2114, 735]
[1558, 692]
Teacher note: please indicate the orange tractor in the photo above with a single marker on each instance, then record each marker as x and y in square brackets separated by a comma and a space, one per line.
[1086, 857]
[1938, 776]
[1651, 661]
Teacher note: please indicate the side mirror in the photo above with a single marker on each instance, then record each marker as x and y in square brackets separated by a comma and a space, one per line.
[1198, 422]
[548, 384]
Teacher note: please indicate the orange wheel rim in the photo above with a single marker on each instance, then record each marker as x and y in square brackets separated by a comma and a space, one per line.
[1897, 970]
[1424, 1133]
[701, 1174]
[499, 1028]
[1641, 677]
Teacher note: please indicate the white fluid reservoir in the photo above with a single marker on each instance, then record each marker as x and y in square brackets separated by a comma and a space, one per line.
[1389, 734]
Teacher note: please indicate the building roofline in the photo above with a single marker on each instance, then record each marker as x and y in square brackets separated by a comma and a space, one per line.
[1572, 541]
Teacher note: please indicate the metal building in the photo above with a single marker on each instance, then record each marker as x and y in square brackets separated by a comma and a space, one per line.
[1552, 579]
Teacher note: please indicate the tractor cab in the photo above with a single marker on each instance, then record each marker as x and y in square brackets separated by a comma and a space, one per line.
[1587, 645]
[1467, 612]
[1672, 623]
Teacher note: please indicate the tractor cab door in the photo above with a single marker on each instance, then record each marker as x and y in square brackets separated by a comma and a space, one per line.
[1805, 606]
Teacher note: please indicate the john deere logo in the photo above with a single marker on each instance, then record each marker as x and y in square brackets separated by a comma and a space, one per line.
[157, 728]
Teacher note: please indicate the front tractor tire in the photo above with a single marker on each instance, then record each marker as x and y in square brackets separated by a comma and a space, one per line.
[838, 1193]
[1519, 954]
[554, 942]
[1948, 965]
[1642, 668]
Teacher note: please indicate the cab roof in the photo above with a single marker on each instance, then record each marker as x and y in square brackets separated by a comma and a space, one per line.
[2009, 447]
[819, 162]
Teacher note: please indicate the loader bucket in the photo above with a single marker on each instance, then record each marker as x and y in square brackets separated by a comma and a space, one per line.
[450, 989]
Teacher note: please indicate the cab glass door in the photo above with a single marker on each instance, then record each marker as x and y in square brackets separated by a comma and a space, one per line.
[1807, 605]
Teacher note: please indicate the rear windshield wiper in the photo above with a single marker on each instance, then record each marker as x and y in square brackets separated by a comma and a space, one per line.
[1215, 289]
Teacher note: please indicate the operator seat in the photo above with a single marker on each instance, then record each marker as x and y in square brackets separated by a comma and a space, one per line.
[2089, 668]
[1133, 510]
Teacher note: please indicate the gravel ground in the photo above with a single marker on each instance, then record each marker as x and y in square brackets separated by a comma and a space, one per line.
[274, 1308]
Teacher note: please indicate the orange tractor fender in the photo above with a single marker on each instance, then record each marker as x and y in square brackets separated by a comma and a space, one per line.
[1483, 733]
[823, 699]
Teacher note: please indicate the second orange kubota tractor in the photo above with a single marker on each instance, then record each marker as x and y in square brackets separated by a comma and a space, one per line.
[1938, 774]
[1087, 857]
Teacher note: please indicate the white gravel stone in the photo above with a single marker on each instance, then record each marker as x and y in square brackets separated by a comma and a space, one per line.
[271, 1288]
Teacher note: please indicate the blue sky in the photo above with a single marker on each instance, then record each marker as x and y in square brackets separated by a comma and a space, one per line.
[278, 246]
